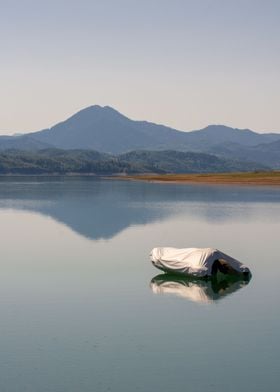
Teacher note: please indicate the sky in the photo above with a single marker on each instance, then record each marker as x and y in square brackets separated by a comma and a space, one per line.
[182, 63]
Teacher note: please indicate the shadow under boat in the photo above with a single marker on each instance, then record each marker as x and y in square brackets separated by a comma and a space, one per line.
[206, 290]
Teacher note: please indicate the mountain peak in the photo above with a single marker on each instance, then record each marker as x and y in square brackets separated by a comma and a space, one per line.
[224, 128]
[97, 111]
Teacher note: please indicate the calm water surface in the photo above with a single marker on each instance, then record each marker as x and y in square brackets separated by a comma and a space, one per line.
[82, 308]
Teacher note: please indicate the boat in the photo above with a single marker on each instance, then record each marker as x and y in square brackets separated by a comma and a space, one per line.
[197, 262]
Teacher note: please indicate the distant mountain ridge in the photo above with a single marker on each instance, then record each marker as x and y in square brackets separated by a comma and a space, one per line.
[54, 161]
[106, 130]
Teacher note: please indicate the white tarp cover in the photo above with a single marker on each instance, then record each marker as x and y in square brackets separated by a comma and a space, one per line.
[192, 261]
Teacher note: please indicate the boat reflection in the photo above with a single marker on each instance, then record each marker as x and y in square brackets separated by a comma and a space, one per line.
[198, 290]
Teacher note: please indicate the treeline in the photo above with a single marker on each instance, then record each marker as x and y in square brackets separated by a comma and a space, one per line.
[55, 161]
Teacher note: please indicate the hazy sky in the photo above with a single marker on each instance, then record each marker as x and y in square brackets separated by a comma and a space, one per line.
[184, 63]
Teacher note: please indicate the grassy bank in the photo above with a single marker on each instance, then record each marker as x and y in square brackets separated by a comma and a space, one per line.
[254, 178]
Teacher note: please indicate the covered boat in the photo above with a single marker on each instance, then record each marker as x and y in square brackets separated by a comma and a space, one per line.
[198, 262]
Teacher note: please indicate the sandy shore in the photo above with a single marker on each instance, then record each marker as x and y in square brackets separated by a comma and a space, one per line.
[258, 178]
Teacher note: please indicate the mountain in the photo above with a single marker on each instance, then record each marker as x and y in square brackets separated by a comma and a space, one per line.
[186, 162]
[53, 161]
[265, 153]
[24, 142]
[212, 135]
[106, 130]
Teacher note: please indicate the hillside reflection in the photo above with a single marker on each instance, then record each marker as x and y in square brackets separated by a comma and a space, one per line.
[197, 290]
[99, 209]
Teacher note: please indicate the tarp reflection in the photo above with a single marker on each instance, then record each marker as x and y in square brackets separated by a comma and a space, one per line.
[198, 290]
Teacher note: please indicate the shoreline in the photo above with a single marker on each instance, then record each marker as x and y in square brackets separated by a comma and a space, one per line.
[248, 179]
[271, 178]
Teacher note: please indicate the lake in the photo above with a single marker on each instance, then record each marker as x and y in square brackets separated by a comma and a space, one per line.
[83, 309]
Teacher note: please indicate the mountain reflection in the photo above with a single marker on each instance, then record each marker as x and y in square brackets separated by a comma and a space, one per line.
[197, 290]
[98, 208]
